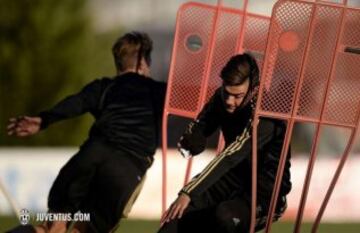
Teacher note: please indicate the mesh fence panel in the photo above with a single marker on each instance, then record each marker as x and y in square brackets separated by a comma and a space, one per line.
[189, 66]
[193, 73]
[317, 67]
[291, 22]
[302, 51]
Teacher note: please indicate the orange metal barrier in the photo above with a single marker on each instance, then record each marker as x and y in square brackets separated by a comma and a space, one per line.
[310, 74]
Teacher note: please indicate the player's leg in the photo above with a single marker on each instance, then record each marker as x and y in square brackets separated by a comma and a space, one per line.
[200, 216]
[70, 187]
[193, 221]
[113, 191]
[233, 216]
[72, 183]
[263, 210]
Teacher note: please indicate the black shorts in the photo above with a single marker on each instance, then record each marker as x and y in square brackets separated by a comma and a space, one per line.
[98, 180]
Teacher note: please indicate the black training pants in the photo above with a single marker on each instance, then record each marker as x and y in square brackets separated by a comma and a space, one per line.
[229, 215]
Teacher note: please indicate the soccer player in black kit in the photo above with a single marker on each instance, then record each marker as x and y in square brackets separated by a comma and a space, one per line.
[106, 174]
[218, 200]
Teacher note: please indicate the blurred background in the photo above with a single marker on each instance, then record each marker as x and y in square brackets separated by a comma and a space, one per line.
[50, 49]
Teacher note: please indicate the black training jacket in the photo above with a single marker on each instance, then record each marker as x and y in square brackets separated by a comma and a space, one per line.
[127, 111]
[234, 162]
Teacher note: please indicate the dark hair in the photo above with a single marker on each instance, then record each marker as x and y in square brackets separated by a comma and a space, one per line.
[130, 48]
[238, 69]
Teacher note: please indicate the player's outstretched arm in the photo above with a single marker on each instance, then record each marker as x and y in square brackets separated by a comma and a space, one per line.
[23, 126]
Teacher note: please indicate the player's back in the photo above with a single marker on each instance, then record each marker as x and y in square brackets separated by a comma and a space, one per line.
[131, 113]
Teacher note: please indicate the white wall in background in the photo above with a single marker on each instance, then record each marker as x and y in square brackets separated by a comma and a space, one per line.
[28, 174]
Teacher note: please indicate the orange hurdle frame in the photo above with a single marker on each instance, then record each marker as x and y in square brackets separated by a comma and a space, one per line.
[295, 63]
[309, 74]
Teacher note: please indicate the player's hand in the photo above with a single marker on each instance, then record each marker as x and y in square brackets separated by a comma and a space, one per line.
[184, 152]
[23, 126]
[176, 209]
[194, 142]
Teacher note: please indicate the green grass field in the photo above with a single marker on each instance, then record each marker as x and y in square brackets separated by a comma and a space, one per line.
[146, 226]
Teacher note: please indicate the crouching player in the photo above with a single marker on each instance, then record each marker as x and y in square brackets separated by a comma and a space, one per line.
[218, 200]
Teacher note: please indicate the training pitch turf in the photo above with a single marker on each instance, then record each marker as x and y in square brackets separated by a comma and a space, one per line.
[146, 226]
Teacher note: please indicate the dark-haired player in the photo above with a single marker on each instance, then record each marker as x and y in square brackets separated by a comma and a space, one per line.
[218, 199]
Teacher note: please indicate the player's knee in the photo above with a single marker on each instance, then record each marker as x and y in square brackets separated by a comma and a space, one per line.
[229, 221]
[223, 214]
